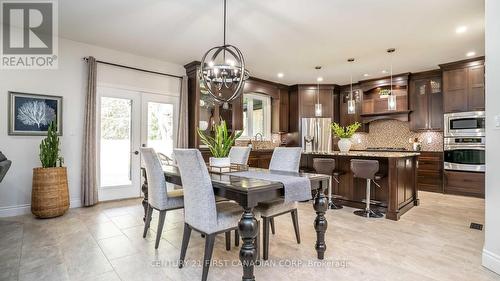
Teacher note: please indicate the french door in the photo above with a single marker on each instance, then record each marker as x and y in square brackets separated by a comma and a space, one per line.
[127, 120]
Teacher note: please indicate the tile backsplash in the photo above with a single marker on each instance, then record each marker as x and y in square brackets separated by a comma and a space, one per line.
[396, 134]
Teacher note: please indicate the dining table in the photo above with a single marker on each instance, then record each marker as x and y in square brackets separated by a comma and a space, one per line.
[248, 193]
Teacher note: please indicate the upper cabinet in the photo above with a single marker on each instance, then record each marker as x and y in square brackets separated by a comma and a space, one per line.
[463, 85]
[426, 101]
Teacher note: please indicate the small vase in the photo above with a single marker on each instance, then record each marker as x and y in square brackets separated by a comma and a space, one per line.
[345, 145]
[220, 162]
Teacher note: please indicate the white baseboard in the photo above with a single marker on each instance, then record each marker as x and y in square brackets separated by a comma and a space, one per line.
[12, 211]
[491, 261]
[19, 210]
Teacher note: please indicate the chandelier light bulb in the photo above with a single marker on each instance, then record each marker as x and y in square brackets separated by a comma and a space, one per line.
[351, 107]
[391, 102]
[318, 110]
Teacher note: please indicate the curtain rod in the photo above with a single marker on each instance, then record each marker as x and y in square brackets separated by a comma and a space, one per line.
[134, 68]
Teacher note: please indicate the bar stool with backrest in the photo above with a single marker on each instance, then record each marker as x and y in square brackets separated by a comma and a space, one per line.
[285, 159]
[158, 197]
[201, 212]
[367, 169]
[326, 166]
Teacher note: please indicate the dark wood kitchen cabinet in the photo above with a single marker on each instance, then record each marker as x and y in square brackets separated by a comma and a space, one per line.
[464, 183]
[430, 171]
[463, 85]
[426, 101]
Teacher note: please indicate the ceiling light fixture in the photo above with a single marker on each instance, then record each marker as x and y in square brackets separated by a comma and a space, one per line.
[351, 103]
[385, 71]
[461, 29]
[224, 74]
[280, 75]
[366, 75]
[391, 99]
[470, 54]
[318, 108]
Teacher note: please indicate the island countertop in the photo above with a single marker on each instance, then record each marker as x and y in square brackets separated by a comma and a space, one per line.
[359, 153]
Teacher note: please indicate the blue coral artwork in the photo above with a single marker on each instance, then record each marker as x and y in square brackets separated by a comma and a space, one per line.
[31, 114]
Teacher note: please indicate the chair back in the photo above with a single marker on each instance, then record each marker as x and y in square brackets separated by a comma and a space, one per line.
[239, 155]
[4, 166]
[157, 186]
[366, 169]
[324, 166]
[286, 159]
[199, 200]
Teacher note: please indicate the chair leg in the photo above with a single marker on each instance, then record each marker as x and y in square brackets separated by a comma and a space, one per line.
[185, 242]
[161, 221]
[295, 220]
[236, 238]
[273, 230]
[149, 214]
[228, 240]
[257, 242]
[209, 247]
[265, 233]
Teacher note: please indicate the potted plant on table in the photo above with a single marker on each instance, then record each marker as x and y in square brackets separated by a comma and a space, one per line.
[50, 196]
[345, 134]
[219, 144]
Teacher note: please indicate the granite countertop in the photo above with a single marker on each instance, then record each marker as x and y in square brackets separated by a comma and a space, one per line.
[384, 154]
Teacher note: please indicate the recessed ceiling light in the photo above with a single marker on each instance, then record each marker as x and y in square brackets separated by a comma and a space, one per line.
[319, 79]
[366, 75]
[461, 29]
[470, 54]
[280, 75]
[385, 71]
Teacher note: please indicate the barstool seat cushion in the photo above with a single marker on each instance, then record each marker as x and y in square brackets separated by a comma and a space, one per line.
[365, 169]
[324, 166]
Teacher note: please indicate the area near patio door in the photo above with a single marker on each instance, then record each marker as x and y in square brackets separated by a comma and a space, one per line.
[127, 120]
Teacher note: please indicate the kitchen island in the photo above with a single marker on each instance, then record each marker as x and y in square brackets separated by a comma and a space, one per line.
[398, 188]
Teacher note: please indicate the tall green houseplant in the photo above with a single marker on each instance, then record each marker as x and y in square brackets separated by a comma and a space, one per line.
[49, 148]
[221, 142]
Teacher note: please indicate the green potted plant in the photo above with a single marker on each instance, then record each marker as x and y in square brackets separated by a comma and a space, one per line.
[219, 144]
[50, 196]
[345, 134]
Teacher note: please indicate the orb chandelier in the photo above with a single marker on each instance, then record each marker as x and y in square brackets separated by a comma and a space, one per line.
[223, 72]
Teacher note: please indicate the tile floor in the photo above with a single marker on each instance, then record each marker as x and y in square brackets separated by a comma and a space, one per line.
[430, 242]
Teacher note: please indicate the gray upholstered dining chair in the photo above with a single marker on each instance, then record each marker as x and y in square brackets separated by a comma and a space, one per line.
[4, 166]
[158, 197]
[201, 212]
[284, 159]
[239, 155]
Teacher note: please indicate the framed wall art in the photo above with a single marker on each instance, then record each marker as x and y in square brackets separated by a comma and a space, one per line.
[31, 114]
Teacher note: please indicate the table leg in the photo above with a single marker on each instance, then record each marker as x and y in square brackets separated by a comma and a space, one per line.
[320, 223]
[248, 254]
[144, 190]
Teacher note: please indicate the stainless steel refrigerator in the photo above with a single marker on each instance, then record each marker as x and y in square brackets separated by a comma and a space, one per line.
[316, 135]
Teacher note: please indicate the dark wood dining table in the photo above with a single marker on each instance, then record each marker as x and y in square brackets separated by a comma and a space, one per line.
[248, 192]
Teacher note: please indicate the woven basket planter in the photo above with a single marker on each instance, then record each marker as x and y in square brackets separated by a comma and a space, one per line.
[49, 197]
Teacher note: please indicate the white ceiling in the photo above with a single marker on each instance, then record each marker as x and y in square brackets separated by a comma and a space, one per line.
[288, 36]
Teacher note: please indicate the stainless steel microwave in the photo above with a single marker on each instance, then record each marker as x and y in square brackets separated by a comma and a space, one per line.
[465, 124]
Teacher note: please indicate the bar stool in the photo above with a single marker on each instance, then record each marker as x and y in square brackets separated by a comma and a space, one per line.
[326, 166]
[367, 169]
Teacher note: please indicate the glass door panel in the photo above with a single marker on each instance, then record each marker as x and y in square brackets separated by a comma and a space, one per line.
[116, 142]
[160, 131]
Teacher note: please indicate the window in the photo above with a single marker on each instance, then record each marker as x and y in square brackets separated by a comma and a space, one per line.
[256, 115]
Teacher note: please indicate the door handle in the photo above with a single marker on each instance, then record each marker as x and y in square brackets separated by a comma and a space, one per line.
[136, 152]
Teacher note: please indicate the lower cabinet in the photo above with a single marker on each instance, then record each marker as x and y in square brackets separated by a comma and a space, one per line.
[430, 171]
[464, 183]
[260, 158]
